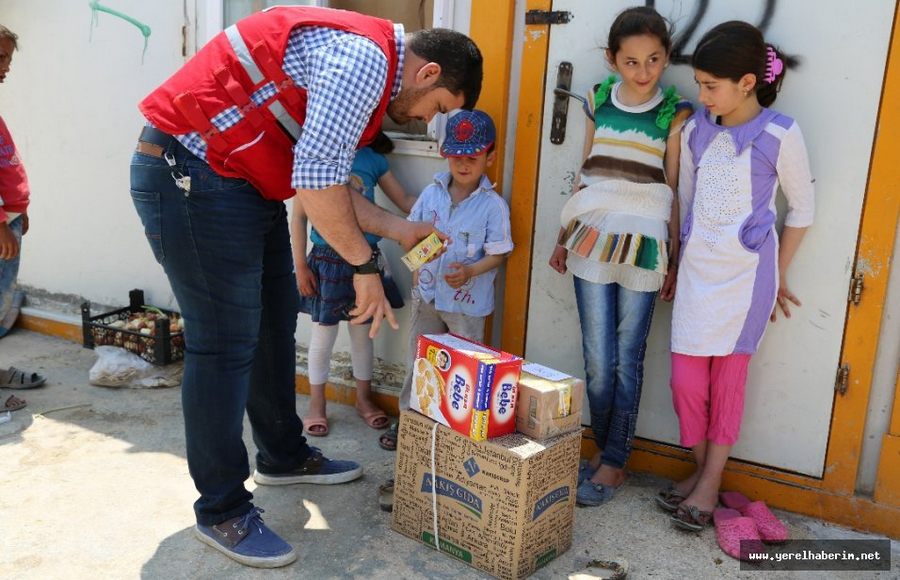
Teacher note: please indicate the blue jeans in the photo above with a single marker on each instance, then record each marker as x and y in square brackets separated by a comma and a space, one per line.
[226, 252]
[615, 323]
[9, 271]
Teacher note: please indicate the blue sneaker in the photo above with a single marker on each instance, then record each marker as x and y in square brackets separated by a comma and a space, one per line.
[594, 494]
[316, 469]
[246, 539]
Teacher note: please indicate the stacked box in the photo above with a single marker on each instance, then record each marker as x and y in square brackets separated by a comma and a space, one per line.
[465, 385]
[505, 506]
[548, 402]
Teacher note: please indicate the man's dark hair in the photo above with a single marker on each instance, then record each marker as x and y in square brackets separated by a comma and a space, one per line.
[459, 58]
[7, 34]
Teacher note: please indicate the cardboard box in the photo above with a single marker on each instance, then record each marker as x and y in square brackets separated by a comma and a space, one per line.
[465, 385]
[505, 506]
[548, 403]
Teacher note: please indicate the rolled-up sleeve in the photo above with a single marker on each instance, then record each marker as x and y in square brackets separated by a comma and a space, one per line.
[498, 239]
[346, 79]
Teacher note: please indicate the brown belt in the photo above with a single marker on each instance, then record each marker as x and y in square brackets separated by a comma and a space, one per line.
[150, 149]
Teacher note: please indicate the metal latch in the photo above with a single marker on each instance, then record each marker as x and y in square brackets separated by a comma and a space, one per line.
[547, 17]
[856, 288]
[842, 379]
[561, 103]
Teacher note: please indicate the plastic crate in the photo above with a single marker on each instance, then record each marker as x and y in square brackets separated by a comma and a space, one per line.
[160, 348]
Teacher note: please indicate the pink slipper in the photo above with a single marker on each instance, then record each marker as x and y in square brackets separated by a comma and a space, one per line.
[770, 527]
[731, 528]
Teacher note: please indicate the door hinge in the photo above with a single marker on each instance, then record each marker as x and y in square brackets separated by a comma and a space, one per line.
[842, 379]
[856, 288]
[548, 17]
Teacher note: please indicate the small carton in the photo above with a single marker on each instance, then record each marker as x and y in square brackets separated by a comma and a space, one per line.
[548, 402]
[422, 252]
[505, 506]
[465, 385]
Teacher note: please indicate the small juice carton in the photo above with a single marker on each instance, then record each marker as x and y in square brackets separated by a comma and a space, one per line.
[424, 251]
[466, 386]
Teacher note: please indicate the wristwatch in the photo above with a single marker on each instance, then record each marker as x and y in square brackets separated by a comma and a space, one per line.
[370, 267]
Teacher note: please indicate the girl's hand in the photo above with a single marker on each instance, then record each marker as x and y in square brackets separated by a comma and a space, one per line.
[306, 280]
[784, 296]
[667, 292]
[460, 275]
[558, 259]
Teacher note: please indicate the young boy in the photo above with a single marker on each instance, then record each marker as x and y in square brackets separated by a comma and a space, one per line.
[455, 292]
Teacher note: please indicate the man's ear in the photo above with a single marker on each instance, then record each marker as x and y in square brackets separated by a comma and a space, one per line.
[428, 74]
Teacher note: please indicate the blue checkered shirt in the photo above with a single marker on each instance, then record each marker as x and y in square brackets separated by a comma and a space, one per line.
[344, 75]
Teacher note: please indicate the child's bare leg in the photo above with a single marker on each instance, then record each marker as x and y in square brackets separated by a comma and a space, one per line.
[364, 402]
[686, 486]
[705, 494]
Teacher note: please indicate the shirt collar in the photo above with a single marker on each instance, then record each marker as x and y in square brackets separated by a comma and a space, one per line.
[742, 135]
[400, 38]
[443, 179]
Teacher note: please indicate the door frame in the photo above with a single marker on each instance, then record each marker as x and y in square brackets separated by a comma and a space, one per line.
[831, 497]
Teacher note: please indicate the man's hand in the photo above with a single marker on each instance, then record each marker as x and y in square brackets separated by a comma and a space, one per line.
[306, 280]
[558, 259]
[458, 276]
[9, 247]
[414, 232]
[371, 303]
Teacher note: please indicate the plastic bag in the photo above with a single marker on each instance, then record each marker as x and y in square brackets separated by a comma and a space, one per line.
[117, 367]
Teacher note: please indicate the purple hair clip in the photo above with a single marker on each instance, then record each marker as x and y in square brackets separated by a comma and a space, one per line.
[774, 65]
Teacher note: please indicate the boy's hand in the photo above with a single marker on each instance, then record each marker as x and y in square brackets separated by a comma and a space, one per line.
[558, 259]
[306, 280]
[458, 276]
[24, 223]
[9, 247]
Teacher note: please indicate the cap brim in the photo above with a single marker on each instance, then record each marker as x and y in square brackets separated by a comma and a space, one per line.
[458, 152]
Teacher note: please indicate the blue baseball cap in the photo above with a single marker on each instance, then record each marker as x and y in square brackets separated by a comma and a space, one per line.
[468, 133]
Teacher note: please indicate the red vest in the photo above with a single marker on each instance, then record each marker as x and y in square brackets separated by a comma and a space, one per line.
[259, 148]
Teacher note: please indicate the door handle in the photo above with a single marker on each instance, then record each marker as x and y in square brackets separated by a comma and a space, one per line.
[561, 102]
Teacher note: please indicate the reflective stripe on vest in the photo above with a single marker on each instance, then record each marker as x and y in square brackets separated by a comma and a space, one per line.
[250, 67]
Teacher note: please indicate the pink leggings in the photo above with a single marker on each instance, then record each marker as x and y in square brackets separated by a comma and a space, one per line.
[708, 394]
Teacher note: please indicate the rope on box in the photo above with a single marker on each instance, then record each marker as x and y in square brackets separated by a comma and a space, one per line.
[434, 509]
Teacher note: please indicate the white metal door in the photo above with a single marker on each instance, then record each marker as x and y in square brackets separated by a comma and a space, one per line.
[834, 95]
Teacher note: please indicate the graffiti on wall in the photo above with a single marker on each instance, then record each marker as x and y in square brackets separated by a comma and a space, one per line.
[97, 8]
[684, 37]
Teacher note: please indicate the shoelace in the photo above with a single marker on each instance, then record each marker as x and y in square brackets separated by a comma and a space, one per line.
[253, 516]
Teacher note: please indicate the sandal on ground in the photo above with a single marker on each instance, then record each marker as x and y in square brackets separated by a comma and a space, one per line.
[316, 426]
[388, 439]
[13, 378]
[736, 534]
[670, 498]
[691, 518]
[376, 419]
[770, 527]
[386, 496]
[14, 403]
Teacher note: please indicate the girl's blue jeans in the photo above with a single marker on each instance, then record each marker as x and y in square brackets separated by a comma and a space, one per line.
[226, 252]
[9, 271]
[615, 323]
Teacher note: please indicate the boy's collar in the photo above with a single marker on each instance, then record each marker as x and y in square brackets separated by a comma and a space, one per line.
[443, 179]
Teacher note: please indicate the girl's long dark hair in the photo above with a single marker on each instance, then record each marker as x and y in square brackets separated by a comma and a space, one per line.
[735, 48]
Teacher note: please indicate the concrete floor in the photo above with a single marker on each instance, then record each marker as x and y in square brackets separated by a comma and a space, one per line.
[94, 484]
